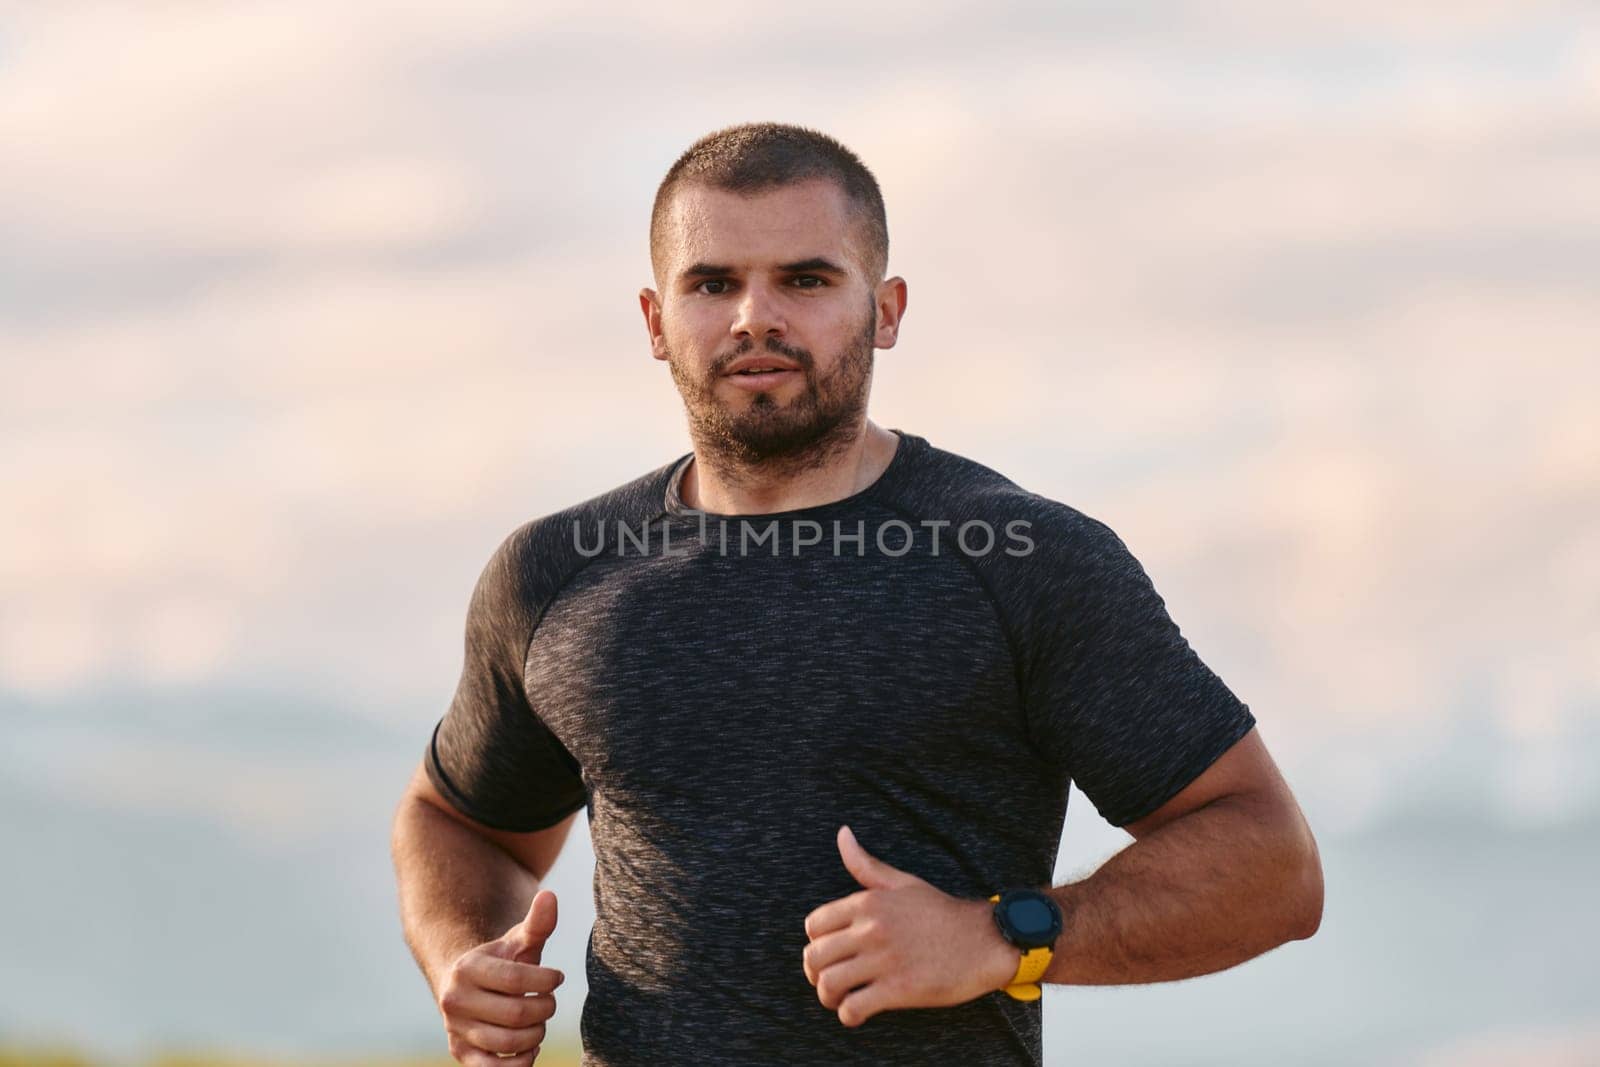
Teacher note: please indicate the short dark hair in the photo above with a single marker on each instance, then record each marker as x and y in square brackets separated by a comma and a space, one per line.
[756, 156]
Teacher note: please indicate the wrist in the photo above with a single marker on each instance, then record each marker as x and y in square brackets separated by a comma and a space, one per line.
[1030, 921]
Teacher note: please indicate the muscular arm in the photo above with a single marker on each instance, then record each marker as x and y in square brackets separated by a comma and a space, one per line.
[1226, 870]
[461, 883]
[1212, 889]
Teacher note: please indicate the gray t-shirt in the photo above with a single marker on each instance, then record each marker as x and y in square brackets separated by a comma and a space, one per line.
[932, 660]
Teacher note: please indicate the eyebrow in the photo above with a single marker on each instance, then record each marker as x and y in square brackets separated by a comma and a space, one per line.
[815, 264]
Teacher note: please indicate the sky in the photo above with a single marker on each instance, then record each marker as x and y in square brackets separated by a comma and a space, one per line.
[304, 307]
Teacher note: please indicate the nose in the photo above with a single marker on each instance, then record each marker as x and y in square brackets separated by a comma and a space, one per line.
[757, 315]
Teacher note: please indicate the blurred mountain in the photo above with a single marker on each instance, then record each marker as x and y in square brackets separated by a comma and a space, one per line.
[210, 869]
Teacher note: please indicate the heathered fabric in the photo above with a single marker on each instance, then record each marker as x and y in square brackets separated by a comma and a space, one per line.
[721, 714]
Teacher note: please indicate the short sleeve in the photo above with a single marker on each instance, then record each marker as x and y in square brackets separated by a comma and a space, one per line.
[491, 755]
[1116, 697]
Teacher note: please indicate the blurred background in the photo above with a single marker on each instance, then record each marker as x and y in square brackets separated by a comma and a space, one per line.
[303, 307]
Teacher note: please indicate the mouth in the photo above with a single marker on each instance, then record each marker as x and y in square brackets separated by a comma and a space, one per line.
[762, 378]
[759, 366]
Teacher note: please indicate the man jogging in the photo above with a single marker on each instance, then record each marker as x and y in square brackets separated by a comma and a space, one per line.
[823, 689]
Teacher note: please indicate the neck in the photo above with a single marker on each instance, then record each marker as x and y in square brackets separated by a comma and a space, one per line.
[834, 470]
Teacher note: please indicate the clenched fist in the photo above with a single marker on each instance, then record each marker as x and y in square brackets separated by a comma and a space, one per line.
[900, 943]
[489, 1014]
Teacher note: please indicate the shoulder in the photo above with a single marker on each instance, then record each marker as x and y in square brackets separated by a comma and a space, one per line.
[1049, 564]
[535, 559]
[948, 486]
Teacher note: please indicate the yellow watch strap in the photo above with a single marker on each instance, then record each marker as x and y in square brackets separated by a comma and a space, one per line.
[1024, 984]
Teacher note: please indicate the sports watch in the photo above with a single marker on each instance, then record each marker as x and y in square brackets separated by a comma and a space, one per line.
[1030, 920]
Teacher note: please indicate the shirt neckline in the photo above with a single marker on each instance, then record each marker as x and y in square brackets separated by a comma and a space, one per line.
[897, 463]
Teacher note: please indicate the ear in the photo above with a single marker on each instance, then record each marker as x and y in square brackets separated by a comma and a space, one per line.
[650, 305]
[889, 300]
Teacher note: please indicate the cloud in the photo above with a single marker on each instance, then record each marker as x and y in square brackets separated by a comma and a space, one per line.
[305, 308]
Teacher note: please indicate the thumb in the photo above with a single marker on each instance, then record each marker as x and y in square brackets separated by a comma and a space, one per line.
[529, 935]
[870, 871]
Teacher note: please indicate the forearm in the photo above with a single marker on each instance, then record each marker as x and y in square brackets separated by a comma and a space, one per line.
[457, 889]
[1205, 892]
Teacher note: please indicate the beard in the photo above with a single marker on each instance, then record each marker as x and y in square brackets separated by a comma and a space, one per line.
[763, 431]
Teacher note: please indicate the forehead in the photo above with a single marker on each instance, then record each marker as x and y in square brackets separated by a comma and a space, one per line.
[753, 231]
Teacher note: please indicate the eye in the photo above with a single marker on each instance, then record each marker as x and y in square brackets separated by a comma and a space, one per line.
[711, 281]
[810, 277]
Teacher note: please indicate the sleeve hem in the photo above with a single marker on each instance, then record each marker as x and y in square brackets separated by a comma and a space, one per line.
[447, 789]
[1242, 725]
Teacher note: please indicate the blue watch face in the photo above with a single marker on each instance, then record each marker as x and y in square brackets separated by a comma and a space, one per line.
[1030, 918]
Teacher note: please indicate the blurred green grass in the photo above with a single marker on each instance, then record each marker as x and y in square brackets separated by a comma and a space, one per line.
[58, 1056]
